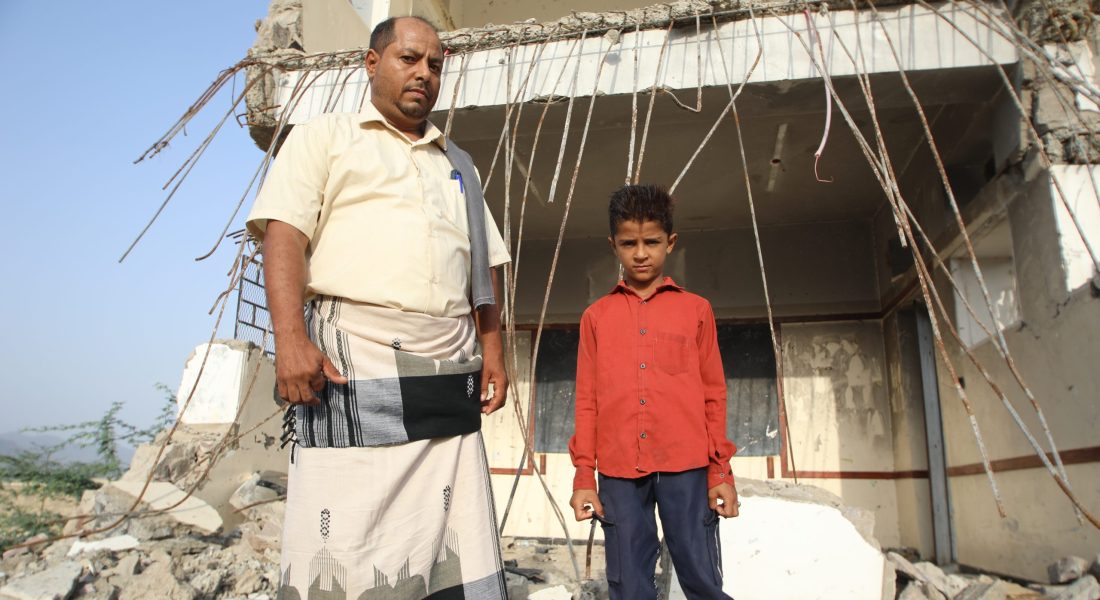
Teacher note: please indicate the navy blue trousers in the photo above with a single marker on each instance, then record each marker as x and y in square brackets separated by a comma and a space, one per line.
[691, 532]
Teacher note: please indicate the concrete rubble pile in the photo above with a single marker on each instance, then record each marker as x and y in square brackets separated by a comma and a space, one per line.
[1071, 578]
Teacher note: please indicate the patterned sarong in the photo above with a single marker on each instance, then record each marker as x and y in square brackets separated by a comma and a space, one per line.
[411, 377]
[389, 494]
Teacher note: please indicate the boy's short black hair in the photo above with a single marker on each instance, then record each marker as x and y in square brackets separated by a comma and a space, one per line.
[644, 202]
[383, 34]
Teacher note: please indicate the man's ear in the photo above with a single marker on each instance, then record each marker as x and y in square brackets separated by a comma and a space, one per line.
[672, 242]
[371, 62]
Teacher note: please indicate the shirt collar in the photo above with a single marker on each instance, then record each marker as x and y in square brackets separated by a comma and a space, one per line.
[370, 114]
[666, 284]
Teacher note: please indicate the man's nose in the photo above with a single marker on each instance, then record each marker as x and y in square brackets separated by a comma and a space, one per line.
[422, 71]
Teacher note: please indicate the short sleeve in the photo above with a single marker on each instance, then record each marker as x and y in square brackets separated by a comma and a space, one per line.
[498, 250]
[294, 187]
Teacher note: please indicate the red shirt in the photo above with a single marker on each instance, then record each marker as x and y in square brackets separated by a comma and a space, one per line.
[651, 395]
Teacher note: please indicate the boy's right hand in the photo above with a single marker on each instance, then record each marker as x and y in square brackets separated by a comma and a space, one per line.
[585, 503]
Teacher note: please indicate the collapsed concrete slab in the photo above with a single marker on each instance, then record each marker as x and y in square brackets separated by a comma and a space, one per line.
[55, 583]
[798, 542]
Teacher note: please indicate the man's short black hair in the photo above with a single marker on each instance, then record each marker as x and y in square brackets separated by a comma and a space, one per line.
[383, 34]
[640, 203]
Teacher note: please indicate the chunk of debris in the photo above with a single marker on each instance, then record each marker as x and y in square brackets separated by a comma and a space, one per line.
[1085, 588]
[1067, 569]
[948, 585]
[55, 583]
[517, 586]
[534, 575]
[998, 590]
[189, 511]
[558, 592]
[805, 537]
[111, 544]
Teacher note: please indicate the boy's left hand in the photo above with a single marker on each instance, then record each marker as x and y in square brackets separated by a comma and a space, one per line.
[729, 506]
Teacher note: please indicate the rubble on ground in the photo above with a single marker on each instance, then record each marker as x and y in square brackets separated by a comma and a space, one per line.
[172, 545]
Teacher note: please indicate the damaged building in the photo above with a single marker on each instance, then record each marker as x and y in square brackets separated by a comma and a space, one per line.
[823, 156]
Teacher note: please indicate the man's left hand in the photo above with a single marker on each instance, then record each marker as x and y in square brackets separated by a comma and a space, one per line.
[492, 371]
[729, 507]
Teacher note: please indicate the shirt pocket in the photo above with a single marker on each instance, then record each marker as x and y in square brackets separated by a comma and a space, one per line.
[671, 353]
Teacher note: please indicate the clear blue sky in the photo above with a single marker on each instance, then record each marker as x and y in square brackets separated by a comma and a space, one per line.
[87, 86]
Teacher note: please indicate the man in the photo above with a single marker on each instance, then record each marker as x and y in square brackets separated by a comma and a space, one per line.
[377, 222]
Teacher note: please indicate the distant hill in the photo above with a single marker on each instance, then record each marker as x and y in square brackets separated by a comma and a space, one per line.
[14, 442]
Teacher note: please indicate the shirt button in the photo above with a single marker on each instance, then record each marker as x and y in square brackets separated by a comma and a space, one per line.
[643, 301]
[642, 332]
[721, 474]
[642, 401]
[643, 365]
[643, 435]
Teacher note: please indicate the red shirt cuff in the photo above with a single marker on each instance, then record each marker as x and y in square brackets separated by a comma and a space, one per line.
[585, 479]
[718, 474]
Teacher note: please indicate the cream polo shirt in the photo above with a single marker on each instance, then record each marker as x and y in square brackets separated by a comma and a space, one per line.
[385, 220]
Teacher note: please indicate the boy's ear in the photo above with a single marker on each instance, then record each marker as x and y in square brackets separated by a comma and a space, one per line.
[672, 241]
[611, 242]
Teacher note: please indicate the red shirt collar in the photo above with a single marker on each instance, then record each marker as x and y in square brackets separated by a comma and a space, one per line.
[666, 284]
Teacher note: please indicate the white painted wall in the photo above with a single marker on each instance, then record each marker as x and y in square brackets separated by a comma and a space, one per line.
[1055, 348]
[1079, 185]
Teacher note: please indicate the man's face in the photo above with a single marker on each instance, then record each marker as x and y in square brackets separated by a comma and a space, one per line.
[405, 77]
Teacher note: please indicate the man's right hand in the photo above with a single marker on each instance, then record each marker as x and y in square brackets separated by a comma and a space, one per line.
[301, 370]
[586, 503]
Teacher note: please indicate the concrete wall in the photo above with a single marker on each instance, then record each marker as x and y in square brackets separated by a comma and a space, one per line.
[910, 443]
[1055, 346]
[331, 25]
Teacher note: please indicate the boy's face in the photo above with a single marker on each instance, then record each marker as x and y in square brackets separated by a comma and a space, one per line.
[641, 247]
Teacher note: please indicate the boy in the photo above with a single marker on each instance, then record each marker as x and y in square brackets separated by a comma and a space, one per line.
[651, 413]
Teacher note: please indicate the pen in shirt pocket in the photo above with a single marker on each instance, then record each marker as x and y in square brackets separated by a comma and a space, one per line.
[458, 177]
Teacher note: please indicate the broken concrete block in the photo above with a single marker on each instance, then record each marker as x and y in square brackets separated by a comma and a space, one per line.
[55, 583]
[1067, 569]
[128, 565]
[189, 511]
[252, 492]
[998, 590]
[796, 543]
[208, 583]
[948, 585]
[903, 565]
[249, 582]
[111, 544]
[1085, 588]
[558, 592]
[156, 581]
[517, 586]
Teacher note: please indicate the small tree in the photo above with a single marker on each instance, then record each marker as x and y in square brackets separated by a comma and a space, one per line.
[38, 474]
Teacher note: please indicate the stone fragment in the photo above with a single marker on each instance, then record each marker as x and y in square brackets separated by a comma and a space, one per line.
[112, 544]
[905, 567]
[55, 583]
[1067, 569]
[998, 590]
[156, 582]
[248, 582]
[594, 589]
[128, 565]
[207, 583]
[949, 585]
[913, 591]
[183, 509]
[1095, 568]
[558, 592]
[517, 586]
[253, 491]
[1085, 588]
